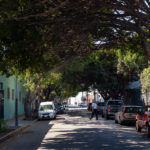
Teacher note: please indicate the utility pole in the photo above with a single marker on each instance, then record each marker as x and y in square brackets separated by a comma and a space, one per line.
[94, 95]
[16, 104]
[87, 98]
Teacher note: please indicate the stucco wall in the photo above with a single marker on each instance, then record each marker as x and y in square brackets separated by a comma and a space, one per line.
[9, 103]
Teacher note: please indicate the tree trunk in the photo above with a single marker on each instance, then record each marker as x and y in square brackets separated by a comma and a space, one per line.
[146, 47]
[29, 101]
[87, 97]
[95, 95]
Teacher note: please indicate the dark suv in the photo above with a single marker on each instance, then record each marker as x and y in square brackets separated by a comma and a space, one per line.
[100, 107]
[111, 107]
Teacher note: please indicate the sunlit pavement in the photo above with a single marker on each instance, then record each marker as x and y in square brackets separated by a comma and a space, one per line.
[74, 130]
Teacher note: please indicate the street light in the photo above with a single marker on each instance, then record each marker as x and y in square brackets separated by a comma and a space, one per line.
[16, 104]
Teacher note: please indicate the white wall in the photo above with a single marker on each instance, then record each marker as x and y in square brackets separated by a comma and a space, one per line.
[76, 100]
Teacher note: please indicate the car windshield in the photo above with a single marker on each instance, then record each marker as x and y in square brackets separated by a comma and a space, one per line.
[131, 109]
[115, 103]
[58, 105]
[46, 107]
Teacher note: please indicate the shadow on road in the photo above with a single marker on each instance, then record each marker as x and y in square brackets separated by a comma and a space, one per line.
[30, 139]
[92, 134]
[89, 138]
[74, 130]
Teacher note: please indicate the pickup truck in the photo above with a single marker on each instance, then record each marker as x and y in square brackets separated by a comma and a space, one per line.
[111, 107]
[143, 120]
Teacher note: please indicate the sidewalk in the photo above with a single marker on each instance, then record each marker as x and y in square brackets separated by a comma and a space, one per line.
[22, 124]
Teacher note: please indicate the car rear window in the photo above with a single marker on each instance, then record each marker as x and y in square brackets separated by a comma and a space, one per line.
[115, 102]
[131, 109]
[100, 104]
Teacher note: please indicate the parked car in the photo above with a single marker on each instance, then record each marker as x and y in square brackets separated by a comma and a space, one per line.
[111, 107]
[64, 105]
[143, 120]
[126, 114]
[46, 111]
[59, 108]
[100, 107]
[82, 104]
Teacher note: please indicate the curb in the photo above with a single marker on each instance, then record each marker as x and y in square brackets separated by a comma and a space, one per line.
[13, 133]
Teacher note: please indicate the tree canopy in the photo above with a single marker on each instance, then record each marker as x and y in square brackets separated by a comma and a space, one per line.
[38, 37]
[34, 33]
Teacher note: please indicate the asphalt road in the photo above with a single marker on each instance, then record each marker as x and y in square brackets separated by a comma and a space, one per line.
[74, 131]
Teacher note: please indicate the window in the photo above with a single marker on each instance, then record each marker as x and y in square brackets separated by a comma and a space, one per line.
[8, 93]
[20, 95]
[23, 101]
[1, 85]
[13, 94]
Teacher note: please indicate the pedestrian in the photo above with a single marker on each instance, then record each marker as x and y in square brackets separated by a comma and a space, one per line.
[94, 110]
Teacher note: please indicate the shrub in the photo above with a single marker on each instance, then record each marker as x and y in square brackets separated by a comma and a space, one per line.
[3, 124]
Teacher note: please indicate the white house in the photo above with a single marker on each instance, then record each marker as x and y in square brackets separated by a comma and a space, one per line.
[75, 101]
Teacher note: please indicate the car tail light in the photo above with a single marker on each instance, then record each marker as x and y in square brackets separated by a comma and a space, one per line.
[123, 113]
[109, 108]
[148, 116]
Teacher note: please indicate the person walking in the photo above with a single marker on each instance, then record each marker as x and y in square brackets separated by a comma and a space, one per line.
[94, 110]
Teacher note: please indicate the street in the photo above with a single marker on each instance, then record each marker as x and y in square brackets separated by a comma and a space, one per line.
[74, 130]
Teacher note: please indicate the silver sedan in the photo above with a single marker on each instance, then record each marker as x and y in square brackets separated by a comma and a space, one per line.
[126, 114]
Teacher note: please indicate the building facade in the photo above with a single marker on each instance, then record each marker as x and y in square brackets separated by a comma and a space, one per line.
[8, 97]
[75, 101]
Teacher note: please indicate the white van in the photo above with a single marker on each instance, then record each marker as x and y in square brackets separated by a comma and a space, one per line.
[47, 110]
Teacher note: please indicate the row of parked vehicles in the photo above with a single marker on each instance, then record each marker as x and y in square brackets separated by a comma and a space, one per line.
[48, 110]
[125, 114]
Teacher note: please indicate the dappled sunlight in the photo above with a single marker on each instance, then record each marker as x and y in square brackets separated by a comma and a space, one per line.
[81, 133]
[74, 130]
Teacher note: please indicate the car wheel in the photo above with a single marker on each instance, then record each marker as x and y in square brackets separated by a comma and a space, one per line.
[138, 129]
[148, 130]
[116, 121]
[106, 117]
[120, 121]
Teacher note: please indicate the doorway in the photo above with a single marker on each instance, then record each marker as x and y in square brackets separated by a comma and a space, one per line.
[1, 104]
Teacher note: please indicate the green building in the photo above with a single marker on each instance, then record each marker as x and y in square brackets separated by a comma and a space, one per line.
[8, 97]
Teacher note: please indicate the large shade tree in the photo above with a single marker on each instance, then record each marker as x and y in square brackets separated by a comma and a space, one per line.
[35, 33]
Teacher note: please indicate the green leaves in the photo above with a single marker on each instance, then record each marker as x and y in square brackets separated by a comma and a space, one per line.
[145, 78]
[36, 81]
[130, 63]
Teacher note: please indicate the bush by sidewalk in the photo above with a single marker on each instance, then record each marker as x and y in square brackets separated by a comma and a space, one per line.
[3, 124]
[3, 128]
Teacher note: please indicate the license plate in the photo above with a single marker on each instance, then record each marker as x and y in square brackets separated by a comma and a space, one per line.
[131, 116]
[45, 115]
